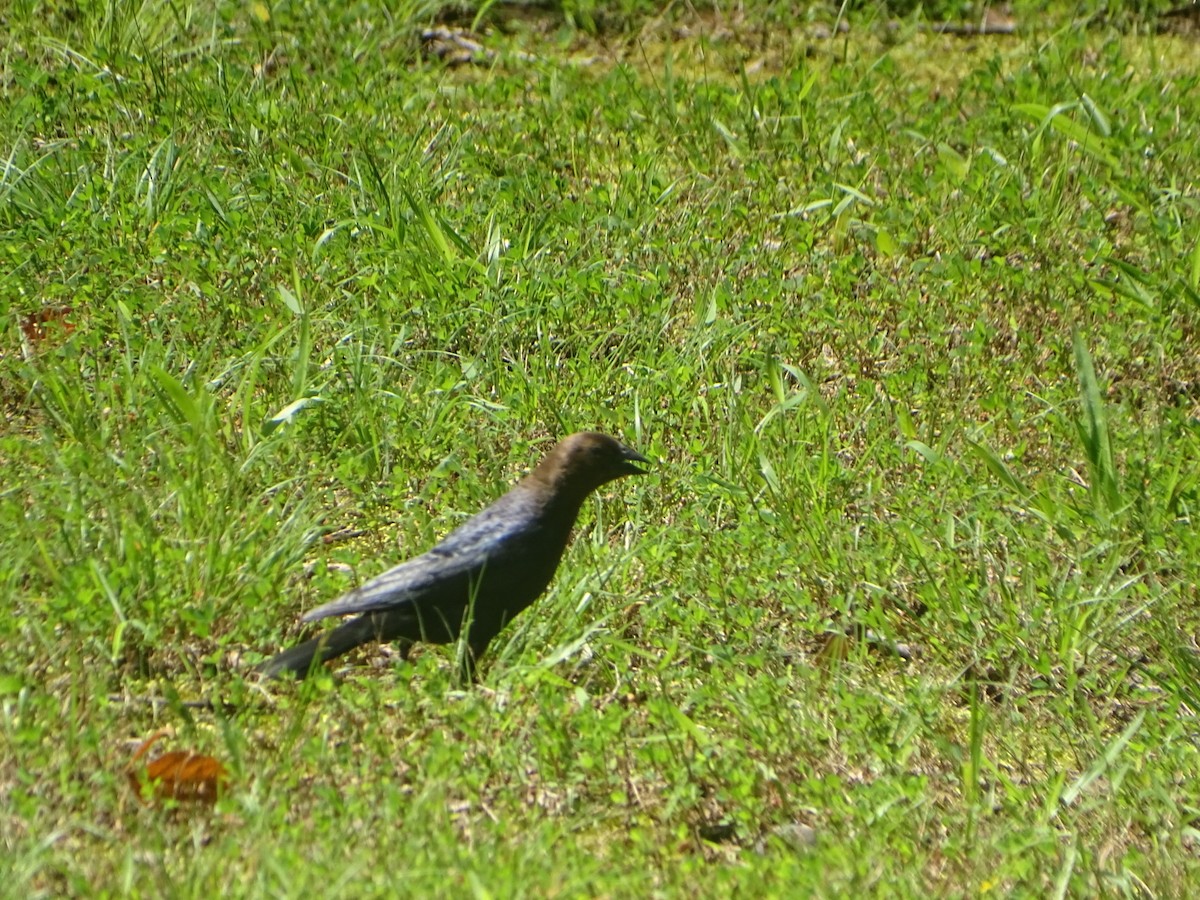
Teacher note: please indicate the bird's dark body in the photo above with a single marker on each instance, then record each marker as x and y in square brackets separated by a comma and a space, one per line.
[482, 574]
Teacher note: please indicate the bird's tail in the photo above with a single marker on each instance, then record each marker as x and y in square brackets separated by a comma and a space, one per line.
[302, 658]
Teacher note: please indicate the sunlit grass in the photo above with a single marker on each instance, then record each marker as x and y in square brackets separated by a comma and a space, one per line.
[906, 323]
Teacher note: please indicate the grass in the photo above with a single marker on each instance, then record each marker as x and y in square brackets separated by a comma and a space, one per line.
[907, 323]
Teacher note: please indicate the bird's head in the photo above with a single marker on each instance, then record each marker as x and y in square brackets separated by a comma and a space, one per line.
[582, 462]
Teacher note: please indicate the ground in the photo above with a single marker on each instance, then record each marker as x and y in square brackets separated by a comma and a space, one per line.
[906, 322]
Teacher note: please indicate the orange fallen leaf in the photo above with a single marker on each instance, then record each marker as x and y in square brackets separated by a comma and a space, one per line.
[177, 775]
[45, 323]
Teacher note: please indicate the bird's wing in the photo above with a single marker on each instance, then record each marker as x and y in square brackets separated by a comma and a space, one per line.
[493, 539]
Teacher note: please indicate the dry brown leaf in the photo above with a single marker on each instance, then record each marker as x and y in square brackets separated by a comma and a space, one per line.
[47, 323]
[177, 775]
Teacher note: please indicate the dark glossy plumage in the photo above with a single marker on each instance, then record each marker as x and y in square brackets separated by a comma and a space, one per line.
[493, 565]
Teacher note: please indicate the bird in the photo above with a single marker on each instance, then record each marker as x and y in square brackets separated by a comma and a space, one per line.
[482, 574]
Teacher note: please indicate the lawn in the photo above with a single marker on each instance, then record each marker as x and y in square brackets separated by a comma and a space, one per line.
[907, 323]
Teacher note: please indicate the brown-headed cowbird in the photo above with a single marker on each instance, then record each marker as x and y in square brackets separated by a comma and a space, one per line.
[485, 571]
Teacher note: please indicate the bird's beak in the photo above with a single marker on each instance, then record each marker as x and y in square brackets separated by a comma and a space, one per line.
[630, 456]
